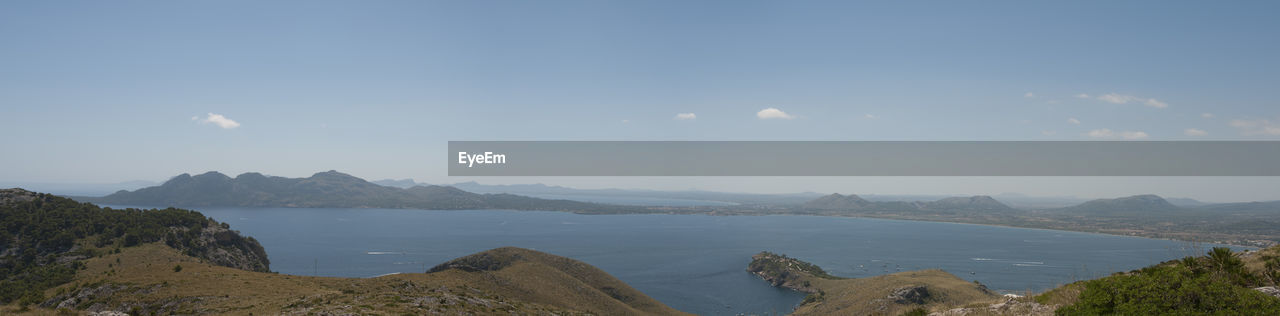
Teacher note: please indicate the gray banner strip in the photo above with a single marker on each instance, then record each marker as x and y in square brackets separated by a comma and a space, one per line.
[865, 158]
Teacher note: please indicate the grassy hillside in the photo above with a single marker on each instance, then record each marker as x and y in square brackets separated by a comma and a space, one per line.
[60, 256]
[891, 294]
[44, 240]
[155, 279]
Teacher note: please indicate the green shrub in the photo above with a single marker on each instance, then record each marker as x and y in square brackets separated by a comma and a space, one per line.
[1216, 284]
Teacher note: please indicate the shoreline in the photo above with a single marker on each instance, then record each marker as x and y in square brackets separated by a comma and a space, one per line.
[716, 213]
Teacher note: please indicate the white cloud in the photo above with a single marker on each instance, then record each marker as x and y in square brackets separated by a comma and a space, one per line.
[219, 120]
[1116, 98]
[870, 116]
[1048, 133]
[1194, 132]
[1101, 133]
[1082, 96]
[626, 121]
[1073, 120]
[773, 113]
[1029, 95]
[1245, 123]
[1206, 115]
[1133, 135]
[686, 116]
[1155, 103]
[1256, 127]
[1108, 133]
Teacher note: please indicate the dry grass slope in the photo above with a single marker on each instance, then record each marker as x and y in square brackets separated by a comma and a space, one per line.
[145, 280]
[884, 295]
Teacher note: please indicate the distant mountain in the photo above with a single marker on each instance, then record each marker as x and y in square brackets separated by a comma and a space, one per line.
[402, 183]
[1185, 202]
[79, 189]
[853, 202]
[1143, 205]
[1269, 208]
[324, 189]
[543, 189]
[836, 201]
[977, 202]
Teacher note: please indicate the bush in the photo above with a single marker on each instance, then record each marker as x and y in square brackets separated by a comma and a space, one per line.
[177, 268]
[1216, 284]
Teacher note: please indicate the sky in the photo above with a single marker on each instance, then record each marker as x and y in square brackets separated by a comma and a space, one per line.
[96, 91]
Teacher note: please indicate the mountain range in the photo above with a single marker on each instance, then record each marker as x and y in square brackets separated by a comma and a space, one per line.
[853, 202]
[324, 189]
[538, 189]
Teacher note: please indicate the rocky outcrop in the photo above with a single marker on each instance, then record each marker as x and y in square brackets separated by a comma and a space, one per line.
[220, 245]
[97, 300]
[1269, 290]
[82, 296]
[15, 195]
[1010, 306]
[914, 294]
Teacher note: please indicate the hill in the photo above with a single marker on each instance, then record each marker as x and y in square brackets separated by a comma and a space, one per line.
[975, 203]
[1137, 205]
[325, 189]
[836, 201]
[890, 294]
[56, 253]
[156, 280]
[45, 238]
[854, 203]
[1220, 283]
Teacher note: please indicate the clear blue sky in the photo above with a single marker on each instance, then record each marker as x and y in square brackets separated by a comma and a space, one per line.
[98, 91]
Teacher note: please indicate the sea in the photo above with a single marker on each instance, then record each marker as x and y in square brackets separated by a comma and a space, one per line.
[694, 263]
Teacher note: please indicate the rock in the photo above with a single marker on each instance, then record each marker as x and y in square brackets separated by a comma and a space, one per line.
[1269, 290]
[108, 313]
[73, 299]
[1011, 306]
[224, 247]
[15, 195]
[915, 294]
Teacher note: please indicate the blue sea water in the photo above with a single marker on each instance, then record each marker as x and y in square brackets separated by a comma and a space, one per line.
[693, 263]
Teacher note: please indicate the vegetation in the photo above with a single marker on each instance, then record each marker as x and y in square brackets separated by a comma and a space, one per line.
[43, 238]
[891, 294]
[530, 283]
[783, 269]
[1218, 283]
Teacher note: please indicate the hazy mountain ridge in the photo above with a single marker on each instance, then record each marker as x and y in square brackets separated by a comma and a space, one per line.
[1137, 205]
[324, 189]
[853, 202]
[544, 189]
